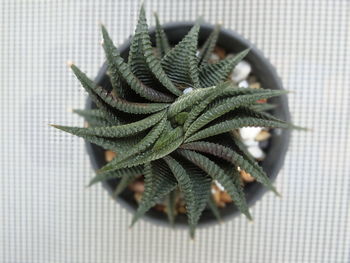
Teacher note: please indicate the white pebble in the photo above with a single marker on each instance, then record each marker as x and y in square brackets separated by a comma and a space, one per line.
[187, 90]
[249, 133]
[241, 71]
[250, 142]
[197, 53]
[256, 152]
[219, 185]
[243, 84]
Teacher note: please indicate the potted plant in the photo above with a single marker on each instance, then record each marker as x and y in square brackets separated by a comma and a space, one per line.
[169, 117]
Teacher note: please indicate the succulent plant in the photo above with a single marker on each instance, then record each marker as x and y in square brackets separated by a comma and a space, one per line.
[170, 116]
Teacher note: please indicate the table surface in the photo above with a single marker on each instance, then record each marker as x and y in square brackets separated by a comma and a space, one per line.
[48, 215]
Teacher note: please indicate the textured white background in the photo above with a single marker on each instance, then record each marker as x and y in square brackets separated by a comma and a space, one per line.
[47, 214]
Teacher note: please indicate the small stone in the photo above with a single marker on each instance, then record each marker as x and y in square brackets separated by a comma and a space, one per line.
[225, 197]
[255, 85]
[137, 197]
[241, 71]
[246, 177]
[243, 84]
[187, 90]
[219, 186]
[181, 210]
[249, 133]
[251, 142]
[262, 136]
[220, 52]
[109, 155]
[137, 186]
[256, 152]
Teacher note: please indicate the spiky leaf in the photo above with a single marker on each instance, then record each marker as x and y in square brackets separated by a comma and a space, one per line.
[214, 170]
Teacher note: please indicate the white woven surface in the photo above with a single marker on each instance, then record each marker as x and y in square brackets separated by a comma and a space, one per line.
[47, 214]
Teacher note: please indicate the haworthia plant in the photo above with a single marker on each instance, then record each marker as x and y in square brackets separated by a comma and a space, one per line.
[172, 138]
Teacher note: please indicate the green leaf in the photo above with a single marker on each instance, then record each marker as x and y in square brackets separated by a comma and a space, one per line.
[228, 104]
[213, 74]
[208, 47]
[169, 135]
[127, 106]
[214, 208]
[263, 106]
[218, 91]
[147, 156]
[144, 64]
[115, 131]
[162, 42]
[159, 182]
[94, 117]
[215, 171]
[89, 86]
[123, 69]
[124, 182]
[188, 100]
[243, 161]
[239, 120]
[170, 203]
[193, 187]
[125, 172]
[180, 63]
[139, 147]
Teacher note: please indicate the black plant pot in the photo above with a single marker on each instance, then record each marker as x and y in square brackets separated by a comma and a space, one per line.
[275, 149]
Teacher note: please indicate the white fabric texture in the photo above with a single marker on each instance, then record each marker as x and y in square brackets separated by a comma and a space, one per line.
[48, 215]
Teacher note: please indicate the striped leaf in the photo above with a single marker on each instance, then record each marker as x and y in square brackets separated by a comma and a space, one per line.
[239, 120]
[180, 63]
[246, 163]
[162, 41]
[213, 74]
[124, 182]
[159, 181]
[228, 104]
[194, 189]
[132, 171]
[217, 173]
[115, 131]
[143, 62]
[123, 69]
[208, 47]
[188, 100]
[95, 117]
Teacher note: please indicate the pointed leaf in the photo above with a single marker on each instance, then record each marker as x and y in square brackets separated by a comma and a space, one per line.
[127, 106]
[208, 47]
[88, 85]
[214, 74]
[214, 208]
[188, 100]
[180, 63]
[123, 69]
[139, 147]
[239, 120]
[124, 182]
[115, 131]
[171, 207]
[214, 170]
[159, 182]
[132, 171]
[162, 42]
[228, 104]
[94, 117]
